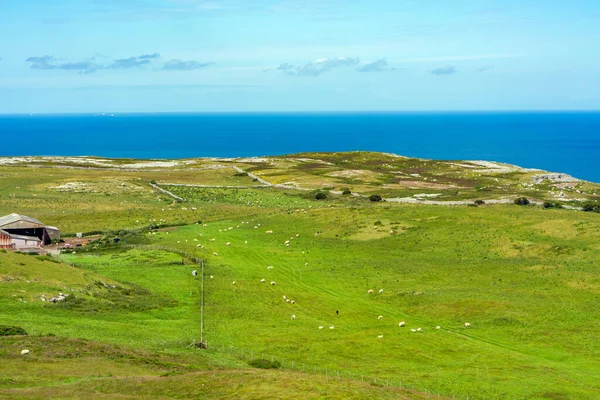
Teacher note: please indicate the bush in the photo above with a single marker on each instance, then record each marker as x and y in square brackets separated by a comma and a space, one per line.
[549, 204]
[241, 174]
[320, 196]
[6, 330]
[264, 364]
[591, 207]
[479, 202]
[375, 197]
[521, 201]
[153, 182]
[346, 192]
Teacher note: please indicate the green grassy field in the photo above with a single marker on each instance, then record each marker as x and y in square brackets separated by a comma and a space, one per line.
[525, 278]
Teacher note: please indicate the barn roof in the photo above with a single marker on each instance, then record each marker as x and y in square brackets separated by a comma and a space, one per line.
[14, 218]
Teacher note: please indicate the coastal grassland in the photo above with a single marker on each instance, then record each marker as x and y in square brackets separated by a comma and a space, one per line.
[524, 277]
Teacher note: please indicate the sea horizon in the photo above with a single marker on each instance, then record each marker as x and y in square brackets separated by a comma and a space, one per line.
[565, 142]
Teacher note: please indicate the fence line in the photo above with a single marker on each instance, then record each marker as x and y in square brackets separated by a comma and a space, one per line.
[250, 354]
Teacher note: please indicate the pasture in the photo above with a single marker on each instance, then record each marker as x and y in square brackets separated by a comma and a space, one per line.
[524, 277]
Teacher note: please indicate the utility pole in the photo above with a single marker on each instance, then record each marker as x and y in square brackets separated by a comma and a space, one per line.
[202, 305]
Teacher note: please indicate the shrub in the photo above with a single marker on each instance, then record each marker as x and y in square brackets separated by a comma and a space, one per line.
[241, 174]
[591, 207]
[153, 182]
[320, 196]
[346, 192]
[521, 201]
[479, 202]
[549, 204]
[6, 330]
[375, 197]
[264, 364]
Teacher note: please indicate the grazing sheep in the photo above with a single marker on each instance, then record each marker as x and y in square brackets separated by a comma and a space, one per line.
[287, 242]
[245, 242]
[380, 317]
[269, 232]
[306, 264]
[467, 325]
[195, 240]
[402, 324]
[213, 239]
[369, 291]
[284, 297]
[331, 327]
[419, 329]
[198, 245]
[234, 282]
[211, 277]
[215, 254]
[24, 352]
[293, 316]
[321, 327]
[228, 244]
[413, 330]
[438, 327]
[263, 280]
[297, 235]
[194, 273]
[380, 291]
[287, 300]
[380, 336]
[272, 283]
[270, 267]
[293, 302]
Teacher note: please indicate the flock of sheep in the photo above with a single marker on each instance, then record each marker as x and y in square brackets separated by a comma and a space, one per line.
[287, 243]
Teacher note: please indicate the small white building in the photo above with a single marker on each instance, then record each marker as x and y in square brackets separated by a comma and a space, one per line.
[19, 242]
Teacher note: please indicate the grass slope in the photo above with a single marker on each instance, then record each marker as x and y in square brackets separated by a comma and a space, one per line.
[524, 277]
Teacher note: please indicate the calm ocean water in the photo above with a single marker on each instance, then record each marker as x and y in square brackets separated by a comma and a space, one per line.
[561, 142]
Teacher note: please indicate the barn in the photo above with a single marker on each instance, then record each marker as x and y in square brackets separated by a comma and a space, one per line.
[25, 232]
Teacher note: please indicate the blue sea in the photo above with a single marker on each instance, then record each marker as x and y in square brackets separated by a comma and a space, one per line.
[560, 142]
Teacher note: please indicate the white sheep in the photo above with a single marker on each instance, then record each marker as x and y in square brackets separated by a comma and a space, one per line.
[287, 300]
[228, 244]
[331, 327]
[293, 302]
[213, 239]
[380, 291]
[321, 327]
[211, 277]
[272, 283]
[287, 242]
[269, 232]
[380, 336]
[413, 330]
[402, 324]
[380, 317]
[419, 329]
[369, 291]
[24, 352]
[284, 297]
[194, 273]
[245, 242]
[438, 327]
[297, 235]
[234, 282]
[293, 316]
[263, 280]
[467, 325]
[215, 254]
[270, 267]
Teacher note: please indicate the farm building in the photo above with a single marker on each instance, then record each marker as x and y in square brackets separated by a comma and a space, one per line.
[12, 241]
[25, 232]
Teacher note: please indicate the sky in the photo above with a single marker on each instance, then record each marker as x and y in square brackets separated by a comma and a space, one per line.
[87, 56]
